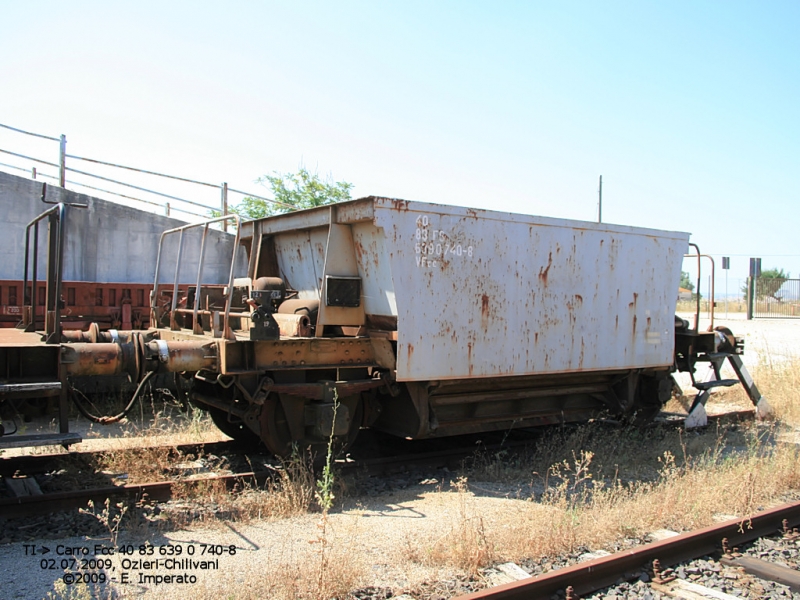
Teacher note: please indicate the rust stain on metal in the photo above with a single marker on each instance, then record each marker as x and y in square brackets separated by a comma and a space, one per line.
[545, 270]
[484, 310]
[398, 204]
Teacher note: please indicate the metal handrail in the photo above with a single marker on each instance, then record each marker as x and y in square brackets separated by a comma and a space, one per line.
[229, 292]
[2, 164]
[136, 187]
[175, 177]
[38, 160]
[50, 164]
[108, 164]
[224, 189]
[39, 135]
[91, 187]
[55, 252]
[697, 294]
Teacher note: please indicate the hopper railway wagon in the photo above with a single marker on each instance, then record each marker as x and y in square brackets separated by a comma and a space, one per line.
[415, 319]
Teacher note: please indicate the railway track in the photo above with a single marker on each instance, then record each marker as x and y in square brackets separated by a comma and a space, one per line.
[164, 490]
[652, 562]
[433, 454]
[34, 504]
[39, 463]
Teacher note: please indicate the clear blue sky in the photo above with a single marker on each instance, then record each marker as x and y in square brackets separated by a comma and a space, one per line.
[689, 110]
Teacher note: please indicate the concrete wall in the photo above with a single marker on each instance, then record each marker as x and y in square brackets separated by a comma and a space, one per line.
[105, 242]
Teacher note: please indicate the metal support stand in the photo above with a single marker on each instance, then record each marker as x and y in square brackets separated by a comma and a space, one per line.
[697, 414]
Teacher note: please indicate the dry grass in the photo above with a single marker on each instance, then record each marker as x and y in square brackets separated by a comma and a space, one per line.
[735, 305]
[586, 487]
[157, 418]
[314, 577]
[592, 486]
[465, 546]
[139, 465]
[683, 497]
[161, 414]
[295, 572]
[780, 384]
[600, 487]
[291, 493]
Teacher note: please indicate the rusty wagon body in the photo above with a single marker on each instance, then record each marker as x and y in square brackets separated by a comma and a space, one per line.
[425, 320]
[416, 319]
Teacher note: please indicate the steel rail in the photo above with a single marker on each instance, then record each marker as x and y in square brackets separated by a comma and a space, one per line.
[105, 191]
[26, 506]
[109, 180]
[175, 177]
[37, 463]
[451, 458]
[29, 464]
[590, 576]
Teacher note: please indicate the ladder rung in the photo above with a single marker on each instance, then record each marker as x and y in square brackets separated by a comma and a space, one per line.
[709, 356]
[707, 385]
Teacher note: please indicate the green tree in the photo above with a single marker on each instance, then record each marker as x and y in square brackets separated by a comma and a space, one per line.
[686, 283]
[768, 284]
[293, 191]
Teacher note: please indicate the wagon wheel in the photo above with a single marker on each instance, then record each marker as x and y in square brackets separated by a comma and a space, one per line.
[277, 437]
[237, 430]
[275, 427]
[651, 396]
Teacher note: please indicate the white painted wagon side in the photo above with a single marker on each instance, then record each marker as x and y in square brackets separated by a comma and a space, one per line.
[485, 294]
